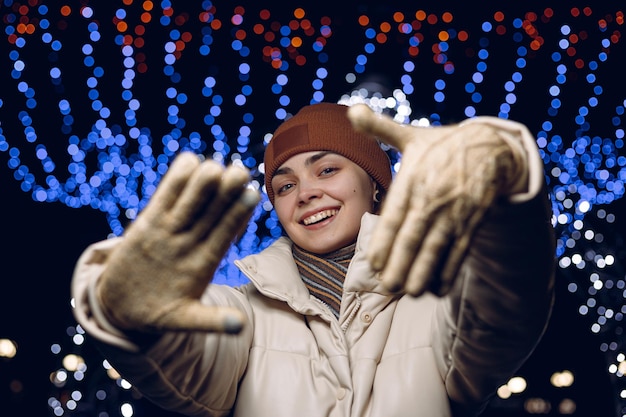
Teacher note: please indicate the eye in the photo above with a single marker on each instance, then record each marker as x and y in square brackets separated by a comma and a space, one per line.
[284, 188]
[328, 171]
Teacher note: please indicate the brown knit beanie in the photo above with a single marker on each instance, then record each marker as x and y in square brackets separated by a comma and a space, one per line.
[325, 127]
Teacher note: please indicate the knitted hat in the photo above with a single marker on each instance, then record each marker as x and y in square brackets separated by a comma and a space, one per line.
[325, 127]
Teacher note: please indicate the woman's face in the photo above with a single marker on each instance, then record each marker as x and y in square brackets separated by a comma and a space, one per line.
[320, 198]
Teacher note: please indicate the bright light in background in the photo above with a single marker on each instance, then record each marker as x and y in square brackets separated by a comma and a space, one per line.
[562, 379]
[8, 348]
[517, 384]
[73, 362]
[127, 410]
[537, 406]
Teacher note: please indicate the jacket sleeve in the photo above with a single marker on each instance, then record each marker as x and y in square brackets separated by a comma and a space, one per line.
[191, 373]
[499, 307]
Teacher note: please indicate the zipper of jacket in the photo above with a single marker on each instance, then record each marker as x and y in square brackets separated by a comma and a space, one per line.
[344, 326]
[327, 306]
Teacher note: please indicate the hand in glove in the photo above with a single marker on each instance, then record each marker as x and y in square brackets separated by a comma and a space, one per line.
[449, 177]
[155, 277]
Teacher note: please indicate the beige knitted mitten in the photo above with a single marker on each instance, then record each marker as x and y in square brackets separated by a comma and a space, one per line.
[154, 278]
[449, 177]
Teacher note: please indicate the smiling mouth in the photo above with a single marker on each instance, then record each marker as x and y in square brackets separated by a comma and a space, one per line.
[318, 217]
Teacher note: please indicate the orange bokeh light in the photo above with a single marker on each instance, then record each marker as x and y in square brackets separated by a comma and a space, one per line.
[121, 26]
[398, 17]
[216, 24]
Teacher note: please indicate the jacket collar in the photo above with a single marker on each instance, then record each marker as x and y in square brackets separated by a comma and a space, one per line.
[274, 272]
[360, 277]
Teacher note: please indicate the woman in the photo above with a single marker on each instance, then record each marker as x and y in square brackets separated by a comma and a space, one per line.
[424, 310]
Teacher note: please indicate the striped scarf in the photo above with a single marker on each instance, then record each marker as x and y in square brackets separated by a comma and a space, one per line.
[324, 275]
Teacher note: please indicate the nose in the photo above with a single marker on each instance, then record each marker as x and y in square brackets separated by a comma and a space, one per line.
[307, 191]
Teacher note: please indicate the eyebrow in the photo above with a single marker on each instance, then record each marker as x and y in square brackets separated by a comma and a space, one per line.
[308, 162]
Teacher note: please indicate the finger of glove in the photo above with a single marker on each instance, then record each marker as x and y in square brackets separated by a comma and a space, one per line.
[392, 218]
[230, 189]
[461, 245]
[199, 190]
[452, 265]
[425, 273]
[171, 185]
[365, 120]
[195, 316]
[404, 247]
[223, 233]
[424, 224]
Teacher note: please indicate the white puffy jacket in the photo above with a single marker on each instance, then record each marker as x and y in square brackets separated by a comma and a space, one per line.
[386, 356]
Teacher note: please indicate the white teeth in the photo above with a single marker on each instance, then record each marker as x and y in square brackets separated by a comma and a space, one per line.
[319, 216]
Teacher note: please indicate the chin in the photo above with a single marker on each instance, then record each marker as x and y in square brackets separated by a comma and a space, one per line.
[323, 249]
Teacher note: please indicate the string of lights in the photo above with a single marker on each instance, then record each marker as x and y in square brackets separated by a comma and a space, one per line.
[97, 98]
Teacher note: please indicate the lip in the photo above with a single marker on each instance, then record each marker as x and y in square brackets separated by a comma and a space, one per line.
[316, 211]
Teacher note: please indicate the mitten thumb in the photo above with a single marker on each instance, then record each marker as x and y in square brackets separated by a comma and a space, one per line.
[365, 120]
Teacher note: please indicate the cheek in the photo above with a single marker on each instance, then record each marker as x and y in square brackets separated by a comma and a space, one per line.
[285, 208]
[280, 208]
